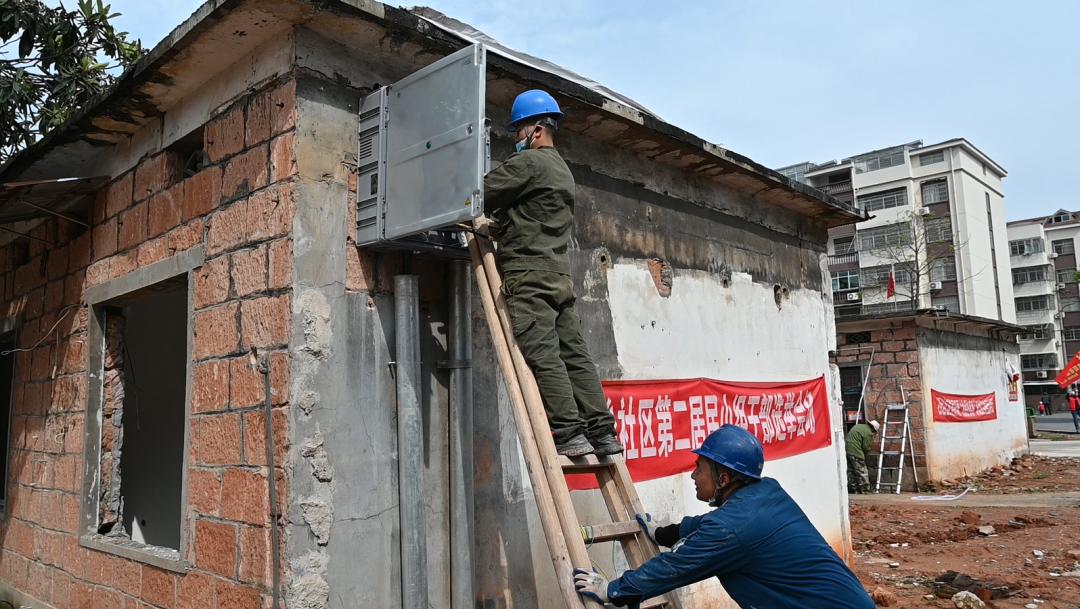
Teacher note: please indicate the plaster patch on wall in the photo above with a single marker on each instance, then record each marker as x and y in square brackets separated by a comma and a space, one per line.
[308, 591]
[313, 451]
[314, 312]
[318, 513]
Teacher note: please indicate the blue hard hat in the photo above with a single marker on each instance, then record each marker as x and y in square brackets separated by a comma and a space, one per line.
[533, 104]
[736, 449]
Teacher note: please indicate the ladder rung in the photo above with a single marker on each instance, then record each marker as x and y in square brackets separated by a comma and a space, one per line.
[888, 468]
[586, 463]
[891, 453]
[894, 437]
[609, 531]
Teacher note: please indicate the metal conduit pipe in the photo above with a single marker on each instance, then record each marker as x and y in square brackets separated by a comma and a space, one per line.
[410, 444]
[461, 440]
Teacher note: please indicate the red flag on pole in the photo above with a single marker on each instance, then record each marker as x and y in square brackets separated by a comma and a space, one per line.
[891, 290]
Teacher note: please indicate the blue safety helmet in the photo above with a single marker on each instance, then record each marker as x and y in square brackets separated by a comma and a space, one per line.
[736, 449]
[533, 104]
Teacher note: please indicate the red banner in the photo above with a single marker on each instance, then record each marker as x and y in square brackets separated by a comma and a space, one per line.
[660, 422]
[951, 408]
[1070, 373]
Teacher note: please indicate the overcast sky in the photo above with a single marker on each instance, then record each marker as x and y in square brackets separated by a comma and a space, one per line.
[790, 81]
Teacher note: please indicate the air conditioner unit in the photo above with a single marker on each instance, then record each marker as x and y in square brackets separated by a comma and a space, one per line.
[924, 211]
[853, 296]
[1061, 286]
[1040, 374]
[1052, 255]
[935, 285]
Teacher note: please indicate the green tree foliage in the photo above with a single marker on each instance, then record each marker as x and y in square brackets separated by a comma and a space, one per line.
[52, 62]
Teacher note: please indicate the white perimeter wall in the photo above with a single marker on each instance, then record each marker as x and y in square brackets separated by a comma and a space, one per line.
[734, 333]
[958, 449]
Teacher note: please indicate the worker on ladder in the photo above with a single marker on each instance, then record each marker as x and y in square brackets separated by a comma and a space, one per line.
[757, 541]
[530, 198]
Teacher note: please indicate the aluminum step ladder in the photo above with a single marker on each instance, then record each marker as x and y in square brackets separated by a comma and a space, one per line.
[895, 443]
[565, 535]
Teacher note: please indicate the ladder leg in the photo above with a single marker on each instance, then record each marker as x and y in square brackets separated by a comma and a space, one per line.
[553, 530]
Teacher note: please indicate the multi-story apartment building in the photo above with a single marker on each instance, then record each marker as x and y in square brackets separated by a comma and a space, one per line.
[1042, 252]
[937, 227]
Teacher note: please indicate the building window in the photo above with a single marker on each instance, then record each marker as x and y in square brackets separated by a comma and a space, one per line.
[1040, 332]
[1038, 361]
[1066, 276]
[938, 230]
[7, 378]
[943, 269]
[879, 160]
[878, 276]
[1071, 333]
[948, 303]
[140, 335]
[1062, 216]
[1025, 247]
[1069, 305]
[881, 237]
[884, 200]
[935, 192]
[1063, 246]
[1033, 303]
[845, 280]
[796, 172]
[1030, 274]
[844, 245]
[931, 157]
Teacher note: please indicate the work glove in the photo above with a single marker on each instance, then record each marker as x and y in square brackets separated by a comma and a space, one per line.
[648, 525]
[591, 584]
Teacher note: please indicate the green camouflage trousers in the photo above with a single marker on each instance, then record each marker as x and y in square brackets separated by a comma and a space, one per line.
[858, 477]
[541, 305]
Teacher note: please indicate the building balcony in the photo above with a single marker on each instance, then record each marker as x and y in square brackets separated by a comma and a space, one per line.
[844, 298]
[1030, 318]
[836, 188]
[1034, 288]
[848, 258]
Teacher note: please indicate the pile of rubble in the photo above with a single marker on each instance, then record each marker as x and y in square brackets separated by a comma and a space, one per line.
[1026, 474]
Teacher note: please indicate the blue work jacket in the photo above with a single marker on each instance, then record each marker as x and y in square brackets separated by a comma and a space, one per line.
[761, 547]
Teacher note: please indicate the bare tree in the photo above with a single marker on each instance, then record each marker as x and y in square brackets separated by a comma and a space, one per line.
[915, 248]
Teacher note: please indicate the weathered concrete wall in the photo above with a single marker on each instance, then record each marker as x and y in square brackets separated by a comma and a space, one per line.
[971, 365]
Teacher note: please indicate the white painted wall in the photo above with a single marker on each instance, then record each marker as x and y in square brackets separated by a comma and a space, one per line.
[734, 333]
[958, 449]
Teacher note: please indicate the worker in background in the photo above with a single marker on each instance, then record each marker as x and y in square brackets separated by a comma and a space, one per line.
[858, 441]
[1074, 405]
[530, 198]
[1042, 407]
[757, 541]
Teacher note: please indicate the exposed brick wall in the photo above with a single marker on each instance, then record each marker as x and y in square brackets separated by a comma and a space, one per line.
[240, 208]
[895, 366]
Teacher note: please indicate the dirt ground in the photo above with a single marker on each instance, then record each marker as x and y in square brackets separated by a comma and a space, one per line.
[1032, 555]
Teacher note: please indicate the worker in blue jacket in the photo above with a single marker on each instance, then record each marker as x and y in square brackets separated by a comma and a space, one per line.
[757, 542]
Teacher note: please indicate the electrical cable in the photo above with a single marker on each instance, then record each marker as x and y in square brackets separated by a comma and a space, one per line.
[64, 311]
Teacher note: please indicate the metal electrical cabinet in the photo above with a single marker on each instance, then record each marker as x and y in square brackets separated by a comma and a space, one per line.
[423, 150]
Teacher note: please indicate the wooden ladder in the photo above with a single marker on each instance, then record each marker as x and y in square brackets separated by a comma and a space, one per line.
[566, 537]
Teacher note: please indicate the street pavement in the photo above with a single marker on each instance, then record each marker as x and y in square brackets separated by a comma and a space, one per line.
[1059, 422]
[1058, 448]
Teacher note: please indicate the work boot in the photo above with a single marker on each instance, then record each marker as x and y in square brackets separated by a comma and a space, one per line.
[606, 445]
[575, 446]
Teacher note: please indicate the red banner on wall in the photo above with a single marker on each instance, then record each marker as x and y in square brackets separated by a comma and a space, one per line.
[952, 408]
[660, 422]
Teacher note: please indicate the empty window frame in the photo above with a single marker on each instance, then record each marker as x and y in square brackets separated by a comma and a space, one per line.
[1063, 246]
[1071, 333]
[1025, 247]
[137, 413]
[879, 160]
[1029, 274]
[884, 200]
[931, 157]
[935, 192]
[938, 230]
[845, 281]
[943, 269]
[882, 237]
[1033, 303]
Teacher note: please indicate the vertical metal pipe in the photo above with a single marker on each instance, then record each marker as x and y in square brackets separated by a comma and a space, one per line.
[414, 592]
[461, 444]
